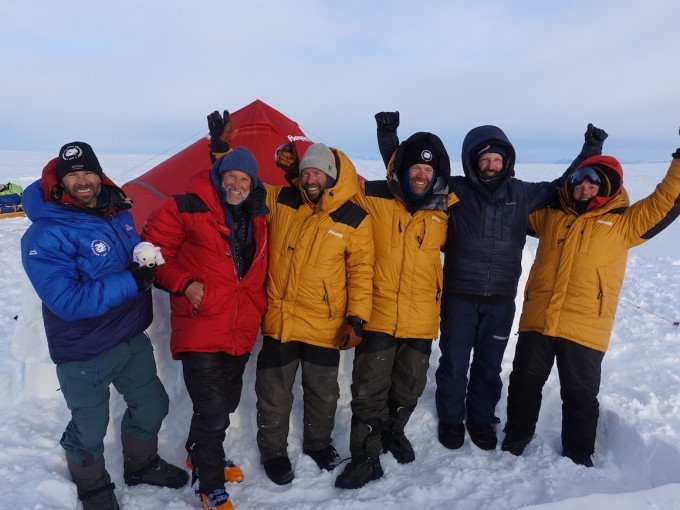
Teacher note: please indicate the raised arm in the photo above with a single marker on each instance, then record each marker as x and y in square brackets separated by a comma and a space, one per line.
[388, 141]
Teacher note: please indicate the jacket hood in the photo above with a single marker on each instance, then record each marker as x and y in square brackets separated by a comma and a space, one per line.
[207, 185]
[442, 171]
[475, 140]
[47, 190]
[613, 172]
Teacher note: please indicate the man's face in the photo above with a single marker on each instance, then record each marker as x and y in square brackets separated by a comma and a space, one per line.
[585, 191]
[419, 177]
[236, 186]
[490, 164]
[83, 187]
[313, 182]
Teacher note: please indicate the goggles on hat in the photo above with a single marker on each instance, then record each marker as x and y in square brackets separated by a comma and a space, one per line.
[581, 174]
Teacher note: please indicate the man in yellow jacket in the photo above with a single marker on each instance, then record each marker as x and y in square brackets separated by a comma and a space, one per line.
[319, 294]
[408, 211]
[572, 293]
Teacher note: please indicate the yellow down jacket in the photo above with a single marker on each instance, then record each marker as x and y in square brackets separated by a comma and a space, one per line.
[574, 285]
[320, 261]
[407, 281]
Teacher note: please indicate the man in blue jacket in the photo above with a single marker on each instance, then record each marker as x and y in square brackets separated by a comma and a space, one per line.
[96, 306]
[482, 264]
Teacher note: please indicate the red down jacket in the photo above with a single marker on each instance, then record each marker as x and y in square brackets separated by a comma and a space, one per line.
[194, 241]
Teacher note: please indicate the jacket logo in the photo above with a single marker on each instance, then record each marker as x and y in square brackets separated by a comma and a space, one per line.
[510, 203]
[129, 227]
[334, 233]
[498, 337]
[33, 252]
[608, 223]
[100, 248]
[438, 220]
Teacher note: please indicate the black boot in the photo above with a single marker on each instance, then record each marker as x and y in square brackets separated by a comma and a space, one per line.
[95, 489]
[393, 439]
[141, 464]
[365, 446]
[279, 470]
[451, 435]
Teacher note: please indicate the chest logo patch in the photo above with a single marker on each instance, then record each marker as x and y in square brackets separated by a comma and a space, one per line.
[100, 248]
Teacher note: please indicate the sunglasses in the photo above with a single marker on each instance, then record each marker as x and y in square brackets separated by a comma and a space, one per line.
[581, 174]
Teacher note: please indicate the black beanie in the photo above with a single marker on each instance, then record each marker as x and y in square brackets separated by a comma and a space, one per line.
[77, 157]
[418, 152]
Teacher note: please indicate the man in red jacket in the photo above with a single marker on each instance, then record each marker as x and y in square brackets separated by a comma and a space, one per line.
[214, 242]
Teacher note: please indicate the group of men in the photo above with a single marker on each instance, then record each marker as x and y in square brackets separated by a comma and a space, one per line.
[326, 264]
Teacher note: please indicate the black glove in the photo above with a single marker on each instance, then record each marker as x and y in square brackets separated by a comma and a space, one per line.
[143, 276]
[387, 121]
[595, 135]
[216, 125]
[354, 330]
[676, 154]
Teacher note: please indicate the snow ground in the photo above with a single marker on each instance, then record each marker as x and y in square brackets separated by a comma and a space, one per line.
[637, 460]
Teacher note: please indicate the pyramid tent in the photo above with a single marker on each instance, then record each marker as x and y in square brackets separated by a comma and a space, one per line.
[257, 126]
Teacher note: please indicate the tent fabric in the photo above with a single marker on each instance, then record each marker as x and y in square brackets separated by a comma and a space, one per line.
[257, 126]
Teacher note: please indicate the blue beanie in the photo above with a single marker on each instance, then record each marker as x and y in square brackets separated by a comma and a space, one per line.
[239, 159]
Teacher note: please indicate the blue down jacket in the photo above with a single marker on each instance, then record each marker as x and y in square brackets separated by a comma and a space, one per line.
[76, 261]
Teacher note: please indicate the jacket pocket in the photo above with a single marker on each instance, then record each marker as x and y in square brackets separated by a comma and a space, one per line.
[329, 298]
[602, 294]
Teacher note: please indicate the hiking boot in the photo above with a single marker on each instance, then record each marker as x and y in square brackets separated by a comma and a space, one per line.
[577, 457]
[155, 472]
[483, 435]
[358, 473]
[515, 444]
[398, 445]
[97, 494]
[326, 458]
[365, 446]
[451, 435]
[232, 473]
[216, 500]
[279, 470]
[393, 439]
[95, 489]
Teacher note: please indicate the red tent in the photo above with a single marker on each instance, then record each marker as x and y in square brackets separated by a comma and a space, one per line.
[257, 126]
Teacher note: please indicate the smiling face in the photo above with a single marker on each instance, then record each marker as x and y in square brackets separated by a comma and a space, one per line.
[83, 187]
[585, 191]
[419, 177]
[313, 181]
[490, 164]
[236, 185]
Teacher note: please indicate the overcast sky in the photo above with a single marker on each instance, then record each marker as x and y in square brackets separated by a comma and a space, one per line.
[141, 76]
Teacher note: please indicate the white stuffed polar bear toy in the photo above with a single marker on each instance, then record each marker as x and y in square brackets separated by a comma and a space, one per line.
[146, 254]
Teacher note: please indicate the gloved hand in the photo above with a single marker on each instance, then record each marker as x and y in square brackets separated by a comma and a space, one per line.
[387, 121]
[143, 276]
[595, 135]
[287, 159]
[352, 333]
[220, 127]
[676, 154]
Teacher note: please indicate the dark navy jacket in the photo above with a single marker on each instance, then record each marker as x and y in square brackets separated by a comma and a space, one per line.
[76, 261]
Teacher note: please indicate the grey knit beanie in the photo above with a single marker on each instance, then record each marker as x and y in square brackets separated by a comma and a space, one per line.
[321, 157]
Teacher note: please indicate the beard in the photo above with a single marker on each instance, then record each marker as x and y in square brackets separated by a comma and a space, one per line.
[235, 198]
